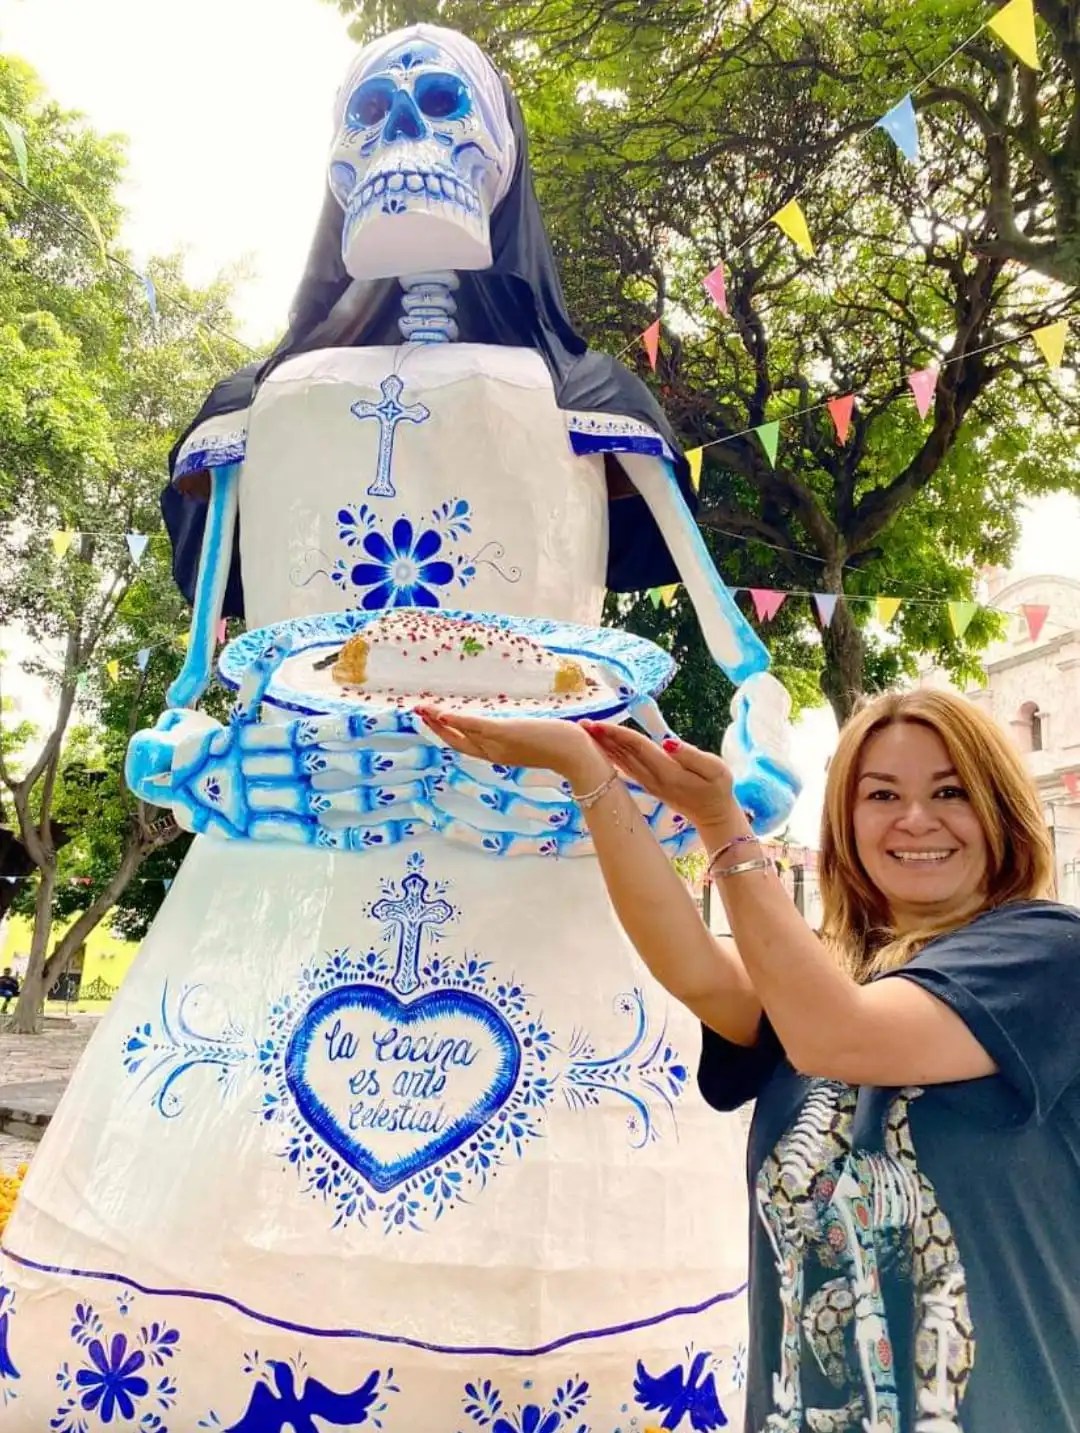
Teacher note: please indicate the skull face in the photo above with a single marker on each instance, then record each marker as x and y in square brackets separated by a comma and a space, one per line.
[422, 155]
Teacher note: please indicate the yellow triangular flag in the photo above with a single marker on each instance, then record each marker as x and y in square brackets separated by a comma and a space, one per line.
[792, 221]
[184, 640]
[113, 669]
[694, 458]
[1051, 340]
[1015, 24]
[62, 540]
[667, 594]
[887, 608]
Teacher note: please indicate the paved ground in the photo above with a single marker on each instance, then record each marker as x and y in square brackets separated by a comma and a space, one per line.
[34, 1070]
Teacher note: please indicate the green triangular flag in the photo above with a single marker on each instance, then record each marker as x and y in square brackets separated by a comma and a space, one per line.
[769, 433]
[654, 596]
[95, 227]
[18, 144]
[960, 615]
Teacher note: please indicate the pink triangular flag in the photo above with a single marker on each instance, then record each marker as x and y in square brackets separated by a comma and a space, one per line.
[840, 410]
[716, 288]
[767, 603]
[651, 339]
[222, 632]
[825, 602]
[1035, 614]
[924, 386]
[1072, 782]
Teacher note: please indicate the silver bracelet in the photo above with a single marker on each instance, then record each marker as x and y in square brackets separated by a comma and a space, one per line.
[714, 856]
[760, 865]
[590, 798]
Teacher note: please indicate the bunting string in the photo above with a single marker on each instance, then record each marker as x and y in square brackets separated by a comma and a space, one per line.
[86, 231]
[1050, 338]
[1014, 25]
[767, 602]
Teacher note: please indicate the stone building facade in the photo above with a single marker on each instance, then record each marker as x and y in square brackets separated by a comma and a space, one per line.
[1033, 691]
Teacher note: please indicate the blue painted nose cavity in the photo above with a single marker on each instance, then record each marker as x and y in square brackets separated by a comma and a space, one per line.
[404, 120]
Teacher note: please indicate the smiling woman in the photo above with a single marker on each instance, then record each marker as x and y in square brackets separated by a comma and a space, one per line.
[930, 818]
[914, 1155]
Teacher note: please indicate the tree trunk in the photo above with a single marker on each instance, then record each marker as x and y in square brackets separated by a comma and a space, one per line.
[43, 973]
[27, 1015]
[842, 678]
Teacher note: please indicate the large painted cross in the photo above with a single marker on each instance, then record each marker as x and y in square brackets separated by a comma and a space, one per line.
[411, 912]
[390, 412]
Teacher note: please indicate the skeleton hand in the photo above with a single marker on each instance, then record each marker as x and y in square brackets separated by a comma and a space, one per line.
[153, 756]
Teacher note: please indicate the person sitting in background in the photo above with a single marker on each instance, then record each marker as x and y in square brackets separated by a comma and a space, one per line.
[9, 988]
[914, 1155]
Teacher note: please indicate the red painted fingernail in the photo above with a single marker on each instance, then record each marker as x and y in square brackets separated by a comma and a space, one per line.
[670, 744]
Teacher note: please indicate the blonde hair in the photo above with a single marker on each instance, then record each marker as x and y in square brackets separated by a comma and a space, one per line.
[1020, 859]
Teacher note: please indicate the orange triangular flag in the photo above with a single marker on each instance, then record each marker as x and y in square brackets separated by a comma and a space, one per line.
[840, 410]
[651, 339]
[792, 221]
[1015, 24]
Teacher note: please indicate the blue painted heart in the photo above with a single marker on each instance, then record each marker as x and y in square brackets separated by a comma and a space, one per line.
[393, 1086]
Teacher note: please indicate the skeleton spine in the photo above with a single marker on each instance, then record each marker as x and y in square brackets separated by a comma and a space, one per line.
[429, 308]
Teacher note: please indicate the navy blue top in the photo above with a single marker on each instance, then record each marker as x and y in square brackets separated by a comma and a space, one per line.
[915, 1254]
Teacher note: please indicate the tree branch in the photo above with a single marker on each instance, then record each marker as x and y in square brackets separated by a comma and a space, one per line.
[134, 854]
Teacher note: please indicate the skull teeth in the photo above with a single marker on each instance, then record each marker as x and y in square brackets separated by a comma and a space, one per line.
[433, 185]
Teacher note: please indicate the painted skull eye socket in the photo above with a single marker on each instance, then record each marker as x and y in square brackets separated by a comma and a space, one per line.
[370, 102]
[442, 96]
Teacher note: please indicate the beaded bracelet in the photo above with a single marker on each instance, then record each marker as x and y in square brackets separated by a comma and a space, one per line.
[590, 798]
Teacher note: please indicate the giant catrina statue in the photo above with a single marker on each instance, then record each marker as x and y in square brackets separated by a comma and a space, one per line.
[388, 1127]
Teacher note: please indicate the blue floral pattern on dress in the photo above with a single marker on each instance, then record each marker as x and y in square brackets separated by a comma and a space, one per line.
[115, 1380]
[9, 1374]
[412, 567]
[486, 1406]
[444, 1163]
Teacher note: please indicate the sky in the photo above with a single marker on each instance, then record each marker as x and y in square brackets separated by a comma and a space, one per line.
[227, 108]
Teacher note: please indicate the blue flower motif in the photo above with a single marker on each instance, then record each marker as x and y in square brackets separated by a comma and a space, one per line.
[404, 570]
[532, 1420]
[113, 1381]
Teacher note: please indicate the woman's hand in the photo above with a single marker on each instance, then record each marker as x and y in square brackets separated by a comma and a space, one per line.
[551, 745]
[693, 782]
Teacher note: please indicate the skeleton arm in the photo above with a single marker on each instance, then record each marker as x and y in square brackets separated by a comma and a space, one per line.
[214, 563]
[756, 745]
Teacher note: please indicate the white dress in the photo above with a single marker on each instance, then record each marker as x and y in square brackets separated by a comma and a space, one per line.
[406, 1138]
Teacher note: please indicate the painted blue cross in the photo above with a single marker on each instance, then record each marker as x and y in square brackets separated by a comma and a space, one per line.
[411, 913]
[390, 412]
